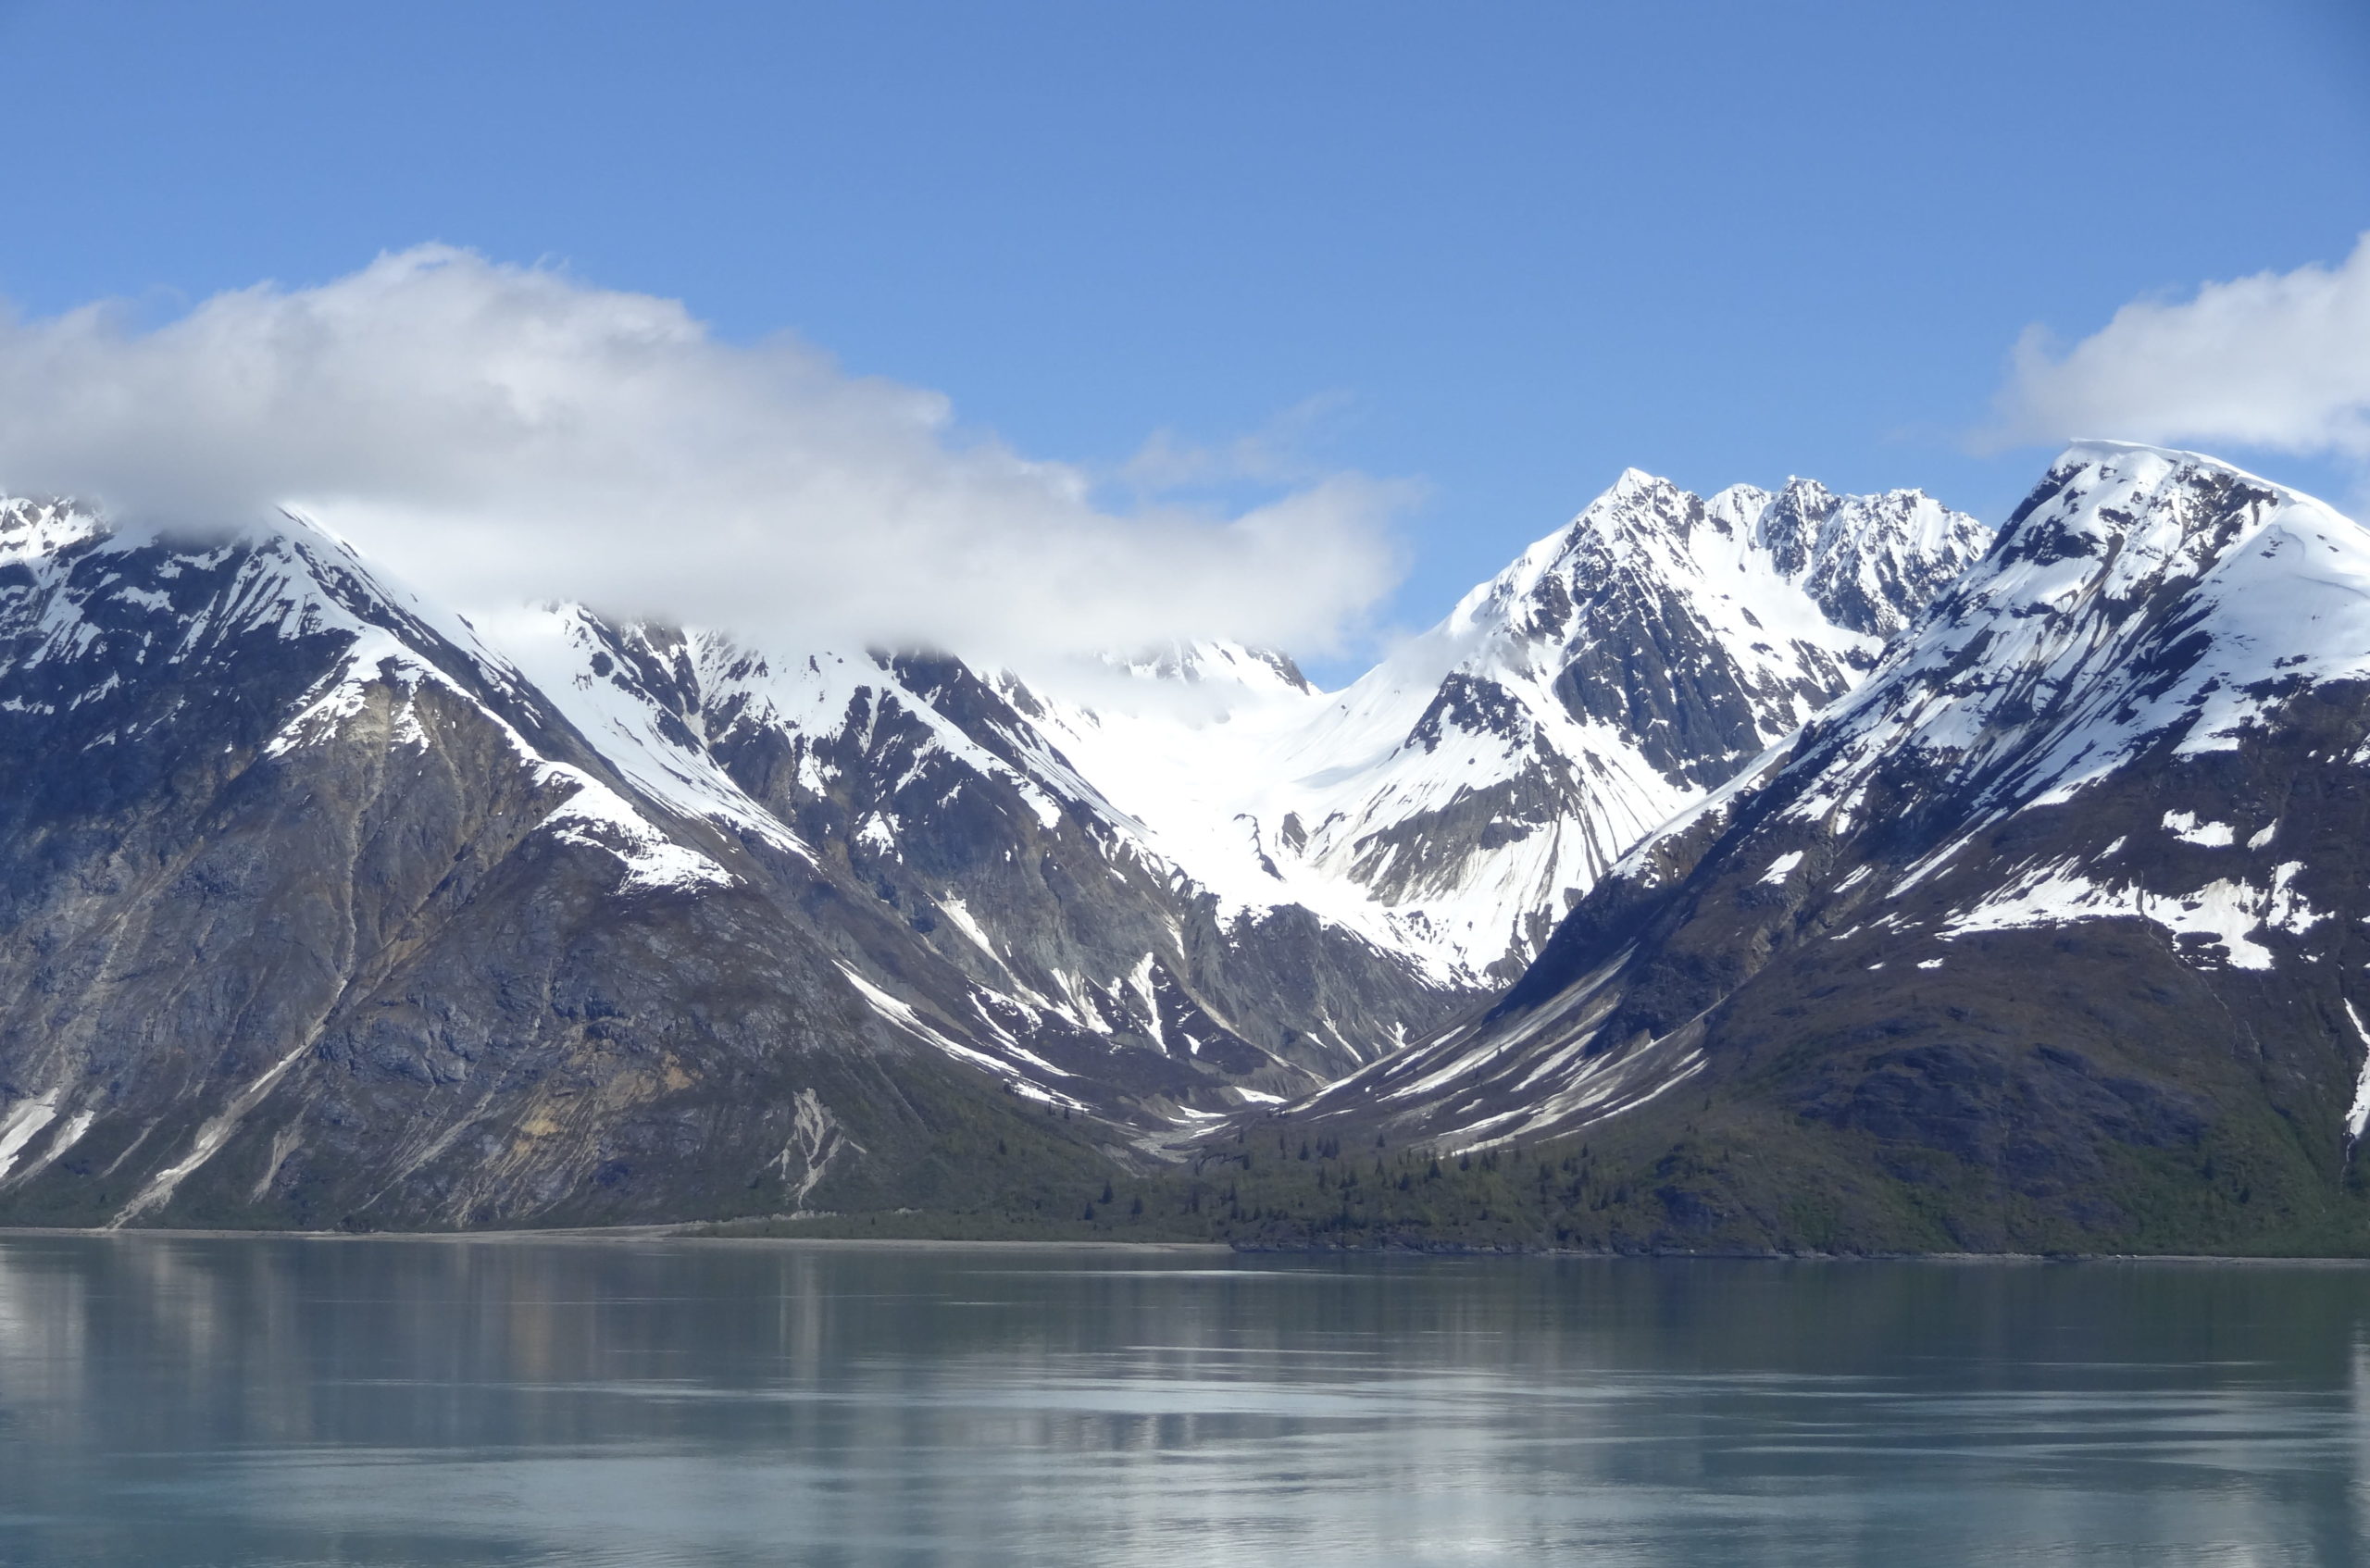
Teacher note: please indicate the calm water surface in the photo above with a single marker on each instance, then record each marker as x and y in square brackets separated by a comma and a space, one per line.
[196, 1400]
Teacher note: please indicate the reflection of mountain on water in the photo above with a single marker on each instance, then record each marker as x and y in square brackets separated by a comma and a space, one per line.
[184, 1400]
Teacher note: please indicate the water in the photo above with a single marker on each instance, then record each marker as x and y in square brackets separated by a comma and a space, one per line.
[181, 1400]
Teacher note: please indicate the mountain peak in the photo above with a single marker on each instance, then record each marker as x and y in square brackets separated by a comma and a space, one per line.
[2143, 517]
[2144, 470]
[2139, 594]
[1864, 562]
[2095, 449]
[36, 528]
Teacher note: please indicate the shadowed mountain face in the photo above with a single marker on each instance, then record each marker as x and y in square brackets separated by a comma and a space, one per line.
[2049, 936]
[322, 907]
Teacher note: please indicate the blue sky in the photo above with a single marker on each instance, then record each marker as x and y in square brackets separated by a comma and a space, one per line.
[1503, 250]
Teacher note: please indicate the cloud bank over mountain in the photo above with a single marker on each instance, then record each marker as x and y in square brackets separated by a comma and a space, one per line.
[497, 433]
[2280, 361]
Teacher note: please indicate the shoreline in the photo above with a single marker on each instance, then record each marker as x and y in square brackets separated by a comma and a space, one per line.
[584, 1235]
[687, 1231]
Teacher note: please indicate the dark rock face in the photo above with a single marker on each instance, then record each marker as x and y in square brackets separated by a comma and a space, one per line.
[2049, 936]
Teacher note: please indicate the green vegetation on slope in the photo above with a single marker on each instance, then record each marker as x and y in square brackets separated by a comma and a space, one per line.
[1734, 1180]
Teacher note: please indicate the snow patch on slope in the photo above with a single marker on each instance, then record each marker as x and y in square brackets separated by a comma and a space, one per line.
[2185, 827]
[2359, 1116]
[598, 817]
[2229, 912]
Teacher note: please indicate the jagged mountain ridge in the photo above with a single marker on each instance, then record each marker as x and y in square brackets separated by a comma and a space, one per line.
[2050, 935]
[1453, 801]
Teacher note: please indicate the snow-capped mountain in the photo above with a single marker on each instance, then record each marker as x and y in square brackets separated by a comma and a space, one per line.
[2051, 934]
[1454, 802]
[325, 905]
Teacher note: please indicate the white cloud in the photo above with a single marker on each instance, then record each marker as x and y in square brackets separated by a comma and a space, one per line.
[2280, 360]
[496, 432]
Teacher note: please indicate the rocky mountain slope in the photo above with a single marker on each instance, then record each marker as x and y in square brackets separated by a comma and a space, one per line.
[2050, 935]
[325, 906]
[320, 908]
